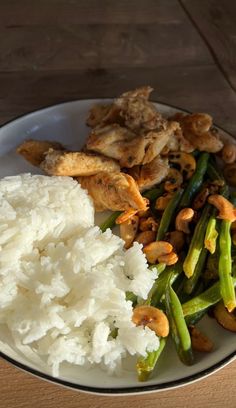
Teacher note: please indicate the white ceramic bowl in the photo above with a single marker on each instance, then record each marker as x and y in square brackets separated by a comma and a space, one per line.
[66, 123]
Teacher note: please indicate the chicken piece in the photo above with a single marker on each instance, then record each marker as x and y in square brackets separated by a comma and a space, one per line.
[148, 175]
[137, 112]
[184, 145]
[127, 147]
[57, 163]
[34, 150]
[101, 115]
[197, 129]
[119, 143]
[158, 140]
[114, 191]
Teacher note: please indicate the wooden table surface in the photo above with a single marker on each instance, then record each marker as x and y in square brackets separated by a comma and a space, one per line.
[58, 50]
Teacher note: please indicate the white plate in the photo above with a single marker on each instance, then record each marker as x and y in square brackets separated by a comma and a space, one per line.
[66, 123]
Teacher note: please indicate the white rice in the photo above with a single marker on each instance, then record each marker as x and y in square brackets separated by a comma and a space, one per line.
[63, 281]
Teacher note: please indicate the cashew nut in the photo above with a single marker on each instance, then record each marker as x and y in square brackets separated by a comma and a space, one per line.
[185, 161]
[176, 239]
[162, 202]
[169, 259]
[200, 342]
[156, 249]
[184, 217]
[230, 174]
[225, 318]
[147, 224]
[226, 209]
[198, 122]
[174, 180]
[128, 230]
[153, 318]
[229, 153]
[145, 237]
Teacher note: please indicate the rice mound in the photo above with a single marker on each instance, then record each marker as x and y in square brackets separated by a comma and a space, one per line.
[63, 282]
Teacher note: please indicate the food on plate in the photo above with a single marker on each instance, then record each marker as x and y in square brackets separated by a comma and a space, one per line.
[61, 163]
[34, 150]
[64, 282]
[114, 190]
[169, 189]
[129, 148]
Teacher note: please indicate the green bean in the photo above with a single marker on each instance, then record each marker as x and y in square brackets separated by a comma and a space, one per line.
[211, 235]
[154, 193]
[132, 297]
[195, 182]
[194, 319]
[203, 301]
[196, 244]
[214, 174]
[191, 283]
[159, 288]
[146, 365]
[178, 327]
[110, 222]
[168, 215]
[225, 267]
[159, 268]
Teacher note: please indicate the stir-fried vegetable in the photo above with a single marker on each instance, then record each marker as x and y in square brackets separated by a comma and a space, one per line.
[193, 250]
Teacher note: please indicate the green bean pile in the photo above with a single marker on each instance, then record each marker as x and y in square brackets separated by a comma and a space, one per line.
[206, 269]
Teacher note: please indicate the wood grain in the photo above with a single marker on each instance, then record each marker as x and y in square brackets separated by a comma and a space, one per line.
[216, 23]
[195, 88]
[76, 46]
[58, 50]
[19, 389]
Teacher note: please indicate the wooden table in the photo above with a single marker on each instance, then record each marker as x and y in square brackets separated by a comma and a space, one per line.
[58, 50]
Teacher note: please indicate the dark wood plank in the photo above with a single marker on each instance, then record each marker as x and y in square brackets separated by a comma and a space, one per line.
[215, 20]
[200, 88]
[44, 12]
[100, 46]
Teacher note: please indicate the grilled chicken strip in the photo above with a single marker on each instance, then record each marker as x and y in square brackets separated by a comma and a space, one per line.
[114, 191]
[57, 163]
[197, 129]
[127, 147]
[132, 110]
[150, 174]
[101, 115]
[137, 112]
[34, 150]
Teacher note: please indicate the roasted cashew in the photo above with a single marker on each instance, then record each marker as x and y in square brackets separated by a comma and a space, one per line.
[156, 249]
[145, 237]
[162, 202]
[198, 122]
[128, 230]
[228, 153]
[200, 342]
[153, 318]
[185, 161]
[173, 181]
[184, 217]
[176, 239]
[225, 318]
[226, 209]
[169, 259]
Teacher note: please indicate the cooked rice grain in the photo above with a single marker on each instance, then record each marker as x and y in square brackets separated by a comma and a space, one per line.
[62, 281]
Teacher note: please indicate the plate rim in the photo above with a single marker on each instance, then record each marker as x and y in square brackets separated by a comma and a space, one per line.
[119, 391]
